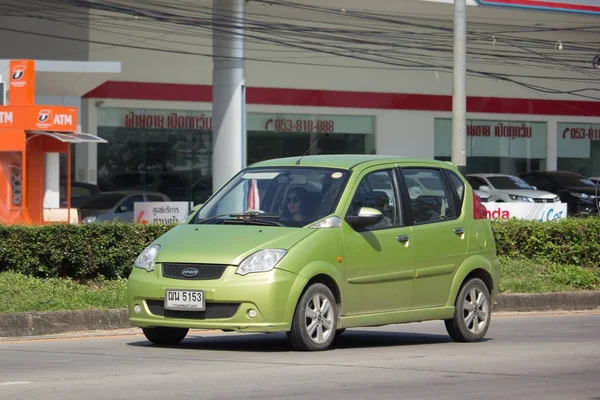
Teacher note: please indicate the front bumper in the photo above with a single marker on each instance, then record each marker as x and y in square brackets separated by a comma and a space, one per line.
[272, 295]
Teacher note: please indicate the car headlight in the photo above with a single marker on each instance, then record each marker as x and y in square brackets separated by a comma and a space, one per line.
[261, 261]
[581, 195]
[521, 198]
[90, 219]
[556, 199]
[146, 258]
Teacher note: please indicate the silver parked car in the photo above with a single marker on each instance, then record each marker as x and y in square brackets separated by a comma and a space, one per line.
[509, 189]
[115, 206]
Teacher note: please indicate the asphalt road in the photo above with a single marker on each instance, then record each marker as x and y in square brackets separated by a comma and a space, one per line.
[525, 357]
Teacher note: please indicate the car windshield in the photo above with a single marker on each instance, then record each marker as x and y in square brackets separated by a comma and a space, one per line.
[286, 196]
[508, 182]
[102, 201]
[573, 180]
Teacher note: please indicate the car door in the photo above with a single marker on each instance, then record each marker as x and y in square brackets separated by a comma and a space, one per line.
[378, 258]
[439, 234]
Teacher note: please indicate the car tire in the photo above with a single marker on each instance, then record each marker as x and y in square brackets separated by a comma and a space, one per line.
[472, 312]
[315, 320]
[165, 336]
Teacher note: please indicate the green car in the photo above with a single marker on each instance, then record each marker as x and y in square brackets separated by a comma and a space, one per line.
[313, 245]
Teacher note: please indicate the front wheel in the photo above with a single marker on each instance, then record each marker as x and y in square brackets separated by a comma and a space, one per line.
[165, 336]
[315, 319]
[472, 312]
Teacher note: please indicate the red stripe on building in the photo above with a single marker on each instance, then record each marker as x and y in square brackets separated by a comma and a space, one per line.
[345, 99]
[544, 5]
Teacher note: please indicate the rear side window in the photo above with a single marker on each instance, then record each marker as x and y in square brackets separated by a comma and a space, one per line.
[430, 202]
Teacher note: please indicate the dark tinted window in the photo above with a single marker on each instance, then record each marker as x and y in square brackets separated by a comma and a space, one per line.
[102, 201]
[429, 205]
[508, 182]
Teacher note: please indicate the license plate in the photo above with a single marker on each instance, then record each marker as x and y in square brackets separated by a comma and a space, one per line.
[185, 300]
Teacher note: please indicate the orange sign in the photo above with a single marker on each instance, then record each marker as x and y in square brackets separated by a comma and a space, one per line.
[39, 118]
[22, 82]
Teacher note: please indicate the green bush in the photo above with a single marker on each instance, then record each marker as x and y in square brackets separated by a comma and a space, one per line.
[77, 251]
[573, 241]
[109, 250]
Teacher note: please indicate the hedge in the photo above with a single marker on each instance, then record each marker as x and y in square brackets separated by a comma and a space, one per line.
[108, 250]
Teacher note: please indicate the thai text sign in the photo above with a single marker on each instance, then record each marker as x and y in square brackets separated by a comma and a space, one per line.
[164, 212]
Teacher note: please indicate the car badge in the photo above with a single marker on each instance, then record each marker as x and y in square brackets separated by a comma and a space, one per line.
[190, 272]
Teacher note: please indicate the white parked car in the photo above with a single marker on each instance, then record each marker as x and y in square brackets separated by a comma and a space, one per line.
[509, 189]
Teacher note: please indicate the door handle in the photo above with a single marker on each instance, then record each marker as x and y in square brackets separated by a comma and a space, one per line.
[402, 238]
[459, 231]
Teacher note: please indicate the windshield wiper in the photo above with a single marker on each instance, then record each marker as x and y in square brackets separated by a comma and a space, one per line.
[245, 216]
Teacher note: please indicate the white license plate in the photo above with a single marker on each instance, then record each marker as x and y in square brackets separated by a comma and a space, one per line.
[184, 300]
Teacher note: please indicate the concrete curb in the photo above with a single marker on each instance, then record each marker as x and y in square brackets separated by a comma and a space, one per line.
[49, 323]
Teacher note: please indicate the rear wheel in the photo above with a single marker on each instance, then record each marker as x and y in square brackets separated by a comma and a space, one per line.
[315, 319]
[472, 312]
[165, 336]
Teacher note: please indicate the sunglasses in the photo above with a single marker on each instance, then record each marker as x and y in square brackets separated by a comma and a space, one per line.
[292, 200]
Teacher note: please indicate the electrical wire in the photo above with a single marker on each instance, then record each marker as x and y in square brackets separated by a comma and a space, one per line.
[335, 40]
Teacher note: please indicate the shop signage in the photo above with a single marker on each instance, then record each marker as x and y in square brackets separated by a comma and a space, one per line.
[515, 139]
[165, 212]
[171, 120]
[500, 130]
[530, 211]
[46, 118]
[574, 139]
[260, 122]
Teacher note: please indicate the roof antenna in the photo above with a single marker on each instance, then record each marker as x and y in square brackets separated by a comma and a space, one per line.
[307, 151]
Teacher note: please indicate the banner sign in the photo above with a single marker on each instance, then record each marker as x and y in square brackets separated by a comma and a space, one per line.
[164, 212]
[260, 122]
[532, 211]
[577, 6]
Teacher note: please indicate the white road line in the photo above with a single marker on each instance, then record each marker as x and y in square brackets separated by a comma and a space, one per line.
[14, 383]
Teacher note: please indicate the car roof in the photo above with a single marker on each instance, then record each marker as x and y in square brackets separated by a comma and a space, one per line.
[344, 161]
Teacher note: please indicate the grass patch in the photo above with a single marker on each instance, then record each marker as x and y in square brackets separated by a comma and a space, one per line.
[22, 293]
[536, 276]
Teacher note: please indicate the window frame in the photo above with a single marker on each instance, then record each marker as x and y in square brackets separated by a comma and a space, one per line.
[400, 220]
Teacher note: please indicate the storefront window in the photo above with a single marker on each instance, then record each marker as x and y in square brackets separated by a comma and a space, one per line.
[507, 147]
[579, 148]
[171, 151]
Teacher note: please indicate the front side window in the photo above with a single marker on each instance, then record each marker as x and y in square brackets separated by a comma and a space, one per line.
[287, 196]
[376, 190]
[127, 205]
[429, 205]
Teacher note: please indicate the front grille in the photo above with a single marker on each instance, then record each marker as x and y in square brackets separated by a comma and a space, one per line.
[205, 271]
[543, 200]
[213, 311]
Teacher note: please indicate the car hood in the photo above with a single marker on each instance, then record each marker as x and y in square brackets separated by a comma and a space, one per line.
[224, 244]
[535, 194]
[584, 189]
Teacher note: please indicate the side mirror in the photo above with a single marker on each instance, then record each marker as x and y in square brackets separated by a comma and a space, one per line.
[485, 188]
[366, 216]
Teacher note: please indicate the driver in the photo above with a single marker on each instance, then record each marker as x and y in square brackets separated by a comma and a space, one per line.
[296, 205]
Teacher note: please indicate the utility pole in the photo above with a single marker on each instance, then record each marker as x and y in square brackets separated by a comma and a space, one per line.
[459, 93]
[229, 91]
